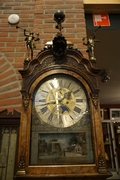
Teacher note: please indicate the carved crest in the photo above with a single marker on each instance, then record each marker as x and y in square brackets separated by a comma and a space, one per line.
[59, 49]
[25, 98]
[95, 100]
[21, 163]
[101, 165]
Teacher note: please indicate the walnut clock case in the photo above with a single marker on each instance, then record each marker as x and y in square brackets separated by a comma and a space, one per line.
[60, 131]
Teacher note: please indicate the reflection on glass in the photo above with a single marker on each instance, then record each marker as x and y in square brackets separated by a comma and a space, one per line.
[60, 123]
[51, 145]
[8, 139]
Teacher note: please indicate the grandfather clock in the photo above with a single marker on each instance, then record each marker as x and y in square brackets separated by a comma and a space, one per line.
[60, 130]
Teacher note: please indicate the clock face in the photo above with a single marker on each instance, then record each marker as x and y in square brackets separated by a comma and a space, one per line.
[60, 101]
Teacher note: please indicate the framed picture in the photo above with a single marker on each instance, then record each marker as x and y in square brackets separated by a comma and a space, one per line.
[114, 114]
[102, 114]
[64, 148]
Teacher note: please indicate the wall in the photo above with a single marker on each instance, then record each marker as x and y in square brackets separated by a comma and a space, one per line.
[36, 16]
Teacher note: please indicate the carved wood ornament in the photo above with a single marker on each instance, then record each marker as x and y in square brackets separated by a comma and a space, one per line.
[60, 58]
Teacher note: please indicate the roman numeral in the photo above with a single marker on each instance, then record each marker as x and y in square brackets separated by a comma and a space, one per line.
[69, 84]
[60, 82]
[76, 91]
[79, 100]
[51, 84]
[44, 91]
[76, 109]
[41, 100]
[71, 117]
[60, 121]
[50, 116]
[43, 110]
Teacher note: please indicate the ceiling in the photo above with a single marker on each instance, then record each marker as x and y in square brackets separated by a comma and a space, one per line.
[107, 53]
[97, 7]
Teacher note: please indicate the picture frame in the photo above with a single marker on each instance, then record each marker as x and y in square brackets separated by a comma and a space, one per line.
[102, 114]
[66, 148]
[114, 113]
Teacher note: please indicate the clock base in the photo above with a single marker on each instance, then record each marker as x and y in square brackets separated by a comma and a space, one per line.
[64, 177]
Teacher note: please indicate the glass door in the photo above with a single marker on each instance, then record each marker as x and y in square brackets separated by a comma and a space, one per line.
[8, 140]
[111, 135]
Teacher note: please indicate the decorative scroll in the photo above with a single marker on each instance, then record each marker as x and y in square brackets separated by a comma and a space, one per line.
[101, 162]
[95, 100]
[26, 98]
[21, 166]
[21, 163]
[101, 165]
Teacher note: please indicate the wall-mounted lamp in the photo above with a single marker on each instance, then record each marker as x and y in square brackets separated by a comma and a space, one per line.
[13, 19]
[104, 74]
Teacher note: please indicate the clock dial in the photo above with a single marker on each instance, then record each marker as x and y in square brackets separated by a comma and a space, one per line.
[60, 101]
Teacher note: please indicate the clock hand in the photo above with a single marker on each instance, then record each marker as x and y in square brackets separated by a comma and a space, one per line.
[57, 101]
[53, 102]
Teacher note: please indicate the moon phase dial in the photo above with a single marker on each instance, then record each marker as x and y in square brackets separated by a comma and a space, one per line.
[60, 101]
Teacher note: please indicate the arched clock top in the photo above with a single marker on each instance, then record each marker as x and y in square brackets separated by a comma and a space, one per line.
[60, 55]
[74, 62]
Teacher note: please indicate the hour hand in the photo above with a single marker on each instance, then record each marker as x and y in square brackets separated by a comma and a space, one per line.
[51, 102]
[47, 103]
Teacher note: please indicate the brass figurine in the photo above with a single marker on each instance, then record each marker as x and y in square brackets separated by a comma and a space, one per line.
[30, 38]
[91, 45]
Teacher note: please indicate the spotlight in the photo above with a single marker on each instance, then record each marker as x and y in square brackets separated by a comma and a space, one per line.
[13, 19]
[105, 77]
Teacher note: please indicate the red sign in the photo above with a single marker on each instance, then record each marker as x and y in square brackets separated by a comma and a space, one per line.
[101, 20]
